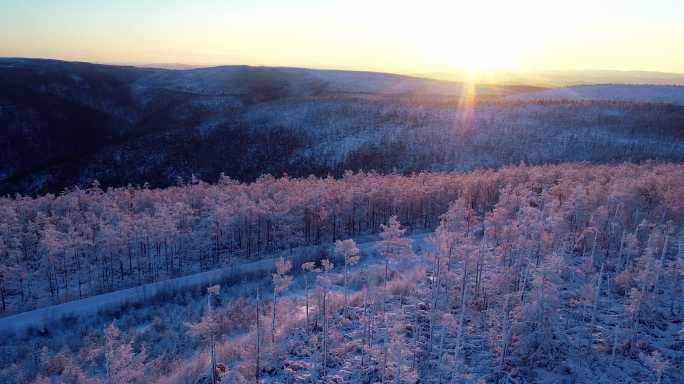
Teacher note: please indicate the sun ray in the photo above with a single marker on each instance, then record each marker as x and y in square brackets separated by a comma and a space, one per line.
[466, 103]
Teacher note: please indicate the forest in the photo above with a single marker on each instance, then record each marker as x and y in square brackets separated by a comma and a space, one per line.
[557, 273]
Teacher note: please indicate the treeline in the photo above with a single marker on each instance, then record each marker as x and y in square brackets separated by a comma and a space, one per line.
[88, 241]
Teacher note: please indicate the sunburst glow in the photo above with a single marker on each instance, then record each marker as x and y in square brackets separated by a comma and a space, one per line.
[471, 37]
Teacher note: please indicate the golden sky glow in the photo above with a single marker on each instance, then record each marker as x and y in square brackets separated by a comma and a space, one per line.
[402, 36]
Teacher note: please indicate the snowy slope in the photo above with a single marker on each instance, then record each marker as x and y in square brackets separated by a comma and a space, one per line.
[670, 94]
[299, 82]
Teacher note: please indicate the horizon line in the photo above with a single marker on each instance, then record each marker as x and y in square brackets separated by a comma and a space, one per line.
[455, 71]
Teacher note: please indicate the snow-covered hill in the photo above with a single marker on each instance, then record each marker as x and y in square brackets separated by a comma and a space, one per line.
[301, 82]
[669, 94]
[67, 124]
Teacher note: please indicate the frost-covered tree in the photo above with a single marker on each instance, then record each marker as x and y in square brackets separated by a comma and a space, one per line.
[208, 330]
[349, 252]
[122, 364]
[324, 283]
[393, 245]
[308, 267]
[539, 340]
[211, 293]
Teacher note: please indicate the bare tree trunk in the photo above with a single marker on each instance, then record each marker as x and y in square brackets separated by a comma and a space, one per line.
[363, 340]
[416, 336]
[386, 271]
[505, 329]
[397, 378]
[385, 342]
[662, 263]
[479, 267]
[677, 287]
[2, 293]
[306, 299]
[325, 336]
[273, 322]
[522, 287]
[612, 353]
[440, 351]
[597, 294]
[459, 339]
[635, 317]
[346, 294]
[258, 338]
[622, 263]
[593, 249]
[433, 306]
[214, 378]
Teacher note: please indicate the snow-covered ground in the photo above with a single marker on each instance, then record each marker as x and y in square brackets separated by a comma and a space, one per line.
[670, 94]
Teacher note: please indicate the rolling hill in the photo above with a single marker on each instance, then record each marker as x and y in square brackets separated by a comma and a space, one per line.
[70, 123]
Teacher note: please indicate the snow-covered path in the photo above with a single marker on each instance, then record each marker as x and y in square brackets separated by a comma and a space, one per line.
[42, 317]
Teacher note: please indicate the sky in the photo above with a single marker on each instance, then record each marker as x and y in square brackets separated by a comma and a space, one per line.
[426, 36]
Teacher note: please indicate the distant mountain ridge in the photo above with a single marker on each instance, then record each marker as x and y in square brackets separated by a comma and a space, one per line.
[670, 94]
[562, 78]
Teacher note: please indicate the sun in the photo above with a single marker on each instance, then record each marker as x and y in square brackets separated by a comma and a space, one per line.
[483, 54]
[472, 39]
[480, 51]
